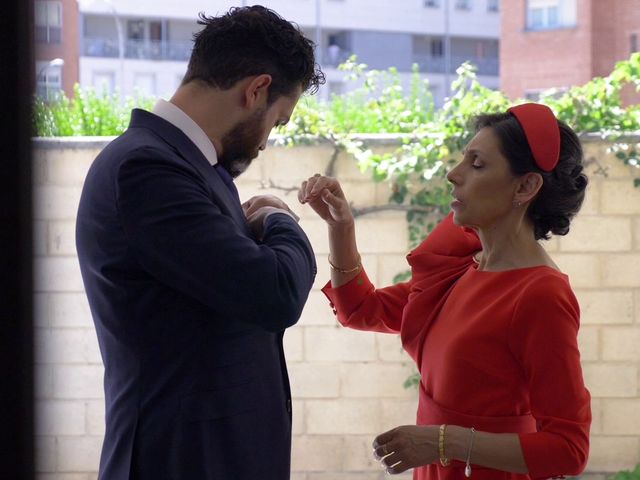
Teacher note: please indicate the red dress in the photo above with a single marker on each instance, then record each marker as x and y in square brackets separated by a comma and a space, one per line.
[496, 351]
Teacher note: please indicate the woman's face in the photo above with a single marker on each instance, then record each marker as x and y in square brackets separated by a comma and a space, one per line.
[483, 185]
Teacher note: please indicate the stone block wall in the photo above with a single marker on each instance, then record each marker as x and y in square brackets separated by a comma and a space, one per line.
[347, 385]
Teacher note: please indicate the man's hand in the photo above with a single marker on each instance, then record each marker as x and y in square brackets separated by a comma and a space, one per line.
[257, 202]
[257, 208]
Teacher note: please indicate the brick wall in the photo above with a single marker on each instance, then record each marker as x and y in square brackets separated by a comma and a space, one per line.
[532, 60]
[541, 59]
[347, 385]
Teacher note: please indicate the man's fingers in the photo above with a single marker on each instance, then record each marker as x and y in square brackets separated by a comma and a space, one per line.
[257, 202]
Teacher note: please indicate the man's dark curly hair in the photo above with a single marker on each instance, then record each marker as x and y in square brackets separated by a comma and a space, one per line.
[563, 189]
[250, 41]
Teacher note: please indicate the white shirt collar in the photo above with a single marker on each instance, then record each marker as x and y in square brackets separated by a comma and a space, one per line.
[174, 115]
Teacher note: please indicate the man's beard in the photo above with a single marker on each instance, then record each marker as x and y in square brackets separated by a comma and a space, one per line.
[240, 145]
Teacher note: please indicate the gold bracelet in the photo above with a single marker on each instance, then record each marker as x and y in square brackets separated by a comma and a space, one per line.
[341, 270]
[444, 461]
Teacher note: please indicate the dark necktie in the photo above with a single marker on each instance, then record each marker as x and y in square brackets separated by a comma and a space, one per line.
[228, 180]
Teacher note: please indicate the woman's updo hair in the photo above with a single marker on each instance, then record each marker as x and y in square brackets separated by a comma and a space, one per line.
[563, 189]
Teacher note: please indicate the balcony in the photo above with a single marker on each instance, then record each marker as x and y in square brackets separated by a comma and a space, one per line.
[138, 49]
[436, 64]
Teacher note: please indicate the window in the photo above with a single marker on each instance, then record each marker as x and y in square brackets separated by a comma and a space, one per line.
[493, 5]
[104, 82]
[156, 39]
[48, 81]
[48, 22]
[547, 14]
[633, 42]
[536, 94]
[463, 4]
[135, 30]
[135, 39]
[437, 47]
[432, 3]
[145, 83]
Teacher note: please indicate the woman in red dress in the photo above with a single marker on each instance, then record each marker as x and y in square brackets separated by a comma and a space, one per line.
[487, 316]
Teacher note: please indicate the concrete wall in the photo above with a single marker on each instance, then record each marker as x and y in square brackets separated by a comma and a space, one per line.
[347, 385]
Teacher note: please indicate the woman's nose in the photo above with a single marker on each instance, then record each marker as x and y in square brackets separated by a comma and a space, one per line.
[453, 175]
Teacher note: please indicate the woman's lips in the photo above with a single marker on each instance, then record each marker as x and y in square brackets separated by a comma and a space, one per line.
[455, 203]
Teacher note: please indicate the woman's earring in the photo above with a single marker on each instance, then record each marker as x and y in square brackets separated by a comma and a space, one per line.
[517, 204]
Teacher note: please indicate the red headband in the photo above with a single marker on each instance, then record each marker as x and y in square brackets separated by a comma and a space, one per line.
[541, 129]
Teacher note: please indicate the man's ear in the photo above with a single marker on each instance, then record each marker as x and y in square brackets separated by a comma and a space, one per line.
[256, 93]
[528, 187]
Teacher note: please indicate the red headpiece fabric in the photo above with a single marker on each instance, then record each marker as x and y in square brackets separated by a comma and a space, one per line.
[541, 129]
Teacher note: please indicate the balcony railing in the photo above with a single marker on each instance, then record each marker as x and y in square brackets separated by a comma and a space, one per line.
[436, 64]
[138, 49]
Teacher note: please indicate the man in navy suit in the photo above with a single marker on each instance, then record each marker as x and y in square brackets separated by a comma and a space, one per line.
[190, 291]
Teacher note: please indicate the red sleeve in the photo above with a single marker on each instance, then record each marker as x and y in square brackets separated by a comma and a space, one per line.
[360, 306]
[543, 337]
[435, 264]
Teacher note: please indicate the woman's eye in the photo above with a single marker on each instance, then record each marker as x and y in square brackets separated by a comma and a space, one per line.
[475, 163]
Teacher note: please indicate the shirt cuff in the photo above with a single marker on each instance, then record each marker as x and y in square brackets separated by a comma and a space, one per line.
[274, 210]
[346, 298]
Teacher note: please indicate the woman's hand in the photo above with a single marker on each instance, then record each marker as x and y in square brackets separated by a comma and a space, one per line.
[406, 447]
[325, 196]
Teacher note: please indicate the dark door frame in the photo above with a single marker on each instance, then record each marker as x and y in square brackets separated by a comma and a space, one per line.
[16, 325]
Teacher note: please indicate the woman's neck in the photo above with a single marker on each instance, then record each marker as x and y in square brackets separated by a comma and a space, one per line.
[510, 244]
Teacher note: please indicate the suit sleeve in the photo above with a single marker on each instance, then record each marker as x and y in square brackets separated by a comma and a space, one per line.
[180, 236]
[360, 306]
[543, 337]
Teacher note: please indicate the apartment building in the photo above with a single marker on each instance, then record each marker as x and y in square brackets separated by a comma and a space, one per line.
[56, 46]
[144, 45]
[562, 43]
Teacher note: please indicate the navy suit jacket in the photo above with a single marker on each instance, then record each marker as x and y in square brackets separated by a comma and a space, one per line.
[190, 312]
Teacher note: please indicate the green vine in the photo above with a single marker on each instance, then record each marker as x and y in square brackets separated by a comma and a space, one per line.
[89, 113]
[431, 138]
[627, 474]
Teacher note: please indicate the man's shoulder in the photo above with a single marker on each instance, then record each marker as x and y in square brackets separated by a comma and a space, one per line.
[134, 143]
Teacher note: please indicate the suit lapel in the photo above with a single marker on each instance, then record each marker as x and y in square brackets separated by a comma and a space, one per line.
[186, 149]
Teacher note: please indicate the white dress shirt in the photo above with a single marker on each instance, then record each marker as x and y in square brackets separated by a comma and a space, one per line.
[175, 116]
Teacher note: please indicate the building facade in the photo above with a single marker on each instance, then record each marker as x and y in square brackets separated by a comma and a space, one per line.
[144, 46]
[562, 43]
[56, 46]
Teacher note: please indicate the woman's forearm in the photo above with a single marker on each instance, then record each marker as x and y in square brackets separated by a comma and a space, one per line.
[344, 253]
[500, 451]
